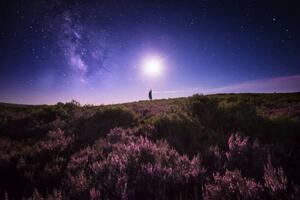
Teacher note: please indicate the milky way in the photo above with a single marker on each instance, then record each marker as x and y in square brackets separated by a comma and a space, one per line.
[92, 50]
[81, 41]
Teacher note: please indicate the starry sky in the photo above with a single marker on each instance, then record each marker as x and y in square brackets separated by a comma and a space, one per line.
[93, 51]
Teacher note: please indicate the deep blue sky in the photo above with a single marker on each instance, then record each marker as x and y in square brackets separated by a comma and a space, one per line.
[92, 51]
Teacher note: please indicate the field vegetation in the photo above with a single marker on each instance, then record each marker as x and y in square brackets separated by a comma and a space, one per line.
[224, 146]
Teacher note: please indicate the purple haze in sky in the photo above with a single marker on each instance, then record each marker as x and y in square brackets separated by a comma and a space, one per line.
[91, 51]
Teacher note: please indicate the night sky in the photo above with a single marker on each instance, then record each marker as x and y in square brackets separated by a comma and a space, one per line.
[95, 51]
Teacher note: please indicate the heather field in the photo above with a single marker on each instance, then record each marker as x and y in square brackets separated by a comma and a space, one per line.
[225, 146]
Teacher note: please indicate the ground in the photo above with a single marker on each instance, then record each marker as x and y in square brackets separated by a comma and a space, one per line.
[223, 146]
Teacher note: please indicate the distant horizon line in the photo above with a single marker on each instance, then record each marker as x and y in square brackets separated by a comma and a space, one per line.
[104, 104]
[281, 84]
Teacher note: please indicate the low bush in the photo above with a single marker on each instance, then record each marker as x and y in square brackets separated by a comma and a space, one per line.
[183, 132]
[89, 128]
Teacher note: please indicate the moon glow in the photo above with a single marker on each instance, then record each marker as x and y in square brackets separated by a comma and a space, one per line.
[152, 66]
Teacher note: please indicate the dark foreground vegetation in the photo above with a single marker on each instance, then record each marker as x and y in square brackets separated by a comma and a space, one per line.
[239, 146]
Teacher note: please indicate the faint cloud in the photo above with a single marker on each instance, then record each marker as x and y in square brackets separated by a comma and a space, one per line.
[277, 84]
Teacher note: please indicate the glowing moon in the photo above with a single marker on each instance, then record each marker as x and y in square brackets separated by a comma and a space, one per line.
[152, 66]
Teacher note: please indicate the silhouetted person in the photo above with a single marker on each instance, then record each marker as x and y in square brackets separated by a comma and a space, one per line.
[150, 94]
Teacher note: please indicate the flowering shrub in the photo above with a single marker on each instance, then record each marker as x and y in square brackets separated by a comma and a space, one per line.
[169, 149]
[120, 168]
[275, 180]
[94, 194]
[232, 185]
[45, 166]
[57, 141]
[56, 195]
[245, 155]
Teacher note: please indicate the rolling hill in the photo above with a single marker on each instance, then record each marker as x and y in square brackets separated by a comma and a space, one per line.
[222, 146]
